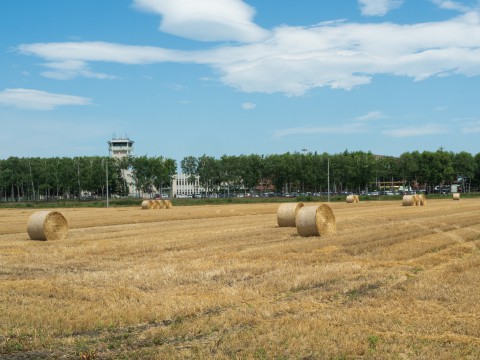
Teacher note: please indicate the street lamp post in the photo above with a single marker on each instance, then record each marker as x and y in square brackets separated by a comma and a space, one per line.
[328, 179]
[106, 171]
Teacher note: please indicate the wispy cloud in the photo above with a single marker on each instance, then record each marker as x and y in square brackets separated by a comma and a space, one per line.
[451, 5]
[176, 87]
[206, 20]
[294, 60]
[310, 130]
[372, 115]
[420, 130]
[378, 7]
[38, 100]
[69, 69]
[248, 106]
[471, 126]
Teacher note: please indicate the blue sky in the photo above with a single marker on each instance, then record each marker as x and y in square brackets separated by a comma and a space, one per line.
[194, 77]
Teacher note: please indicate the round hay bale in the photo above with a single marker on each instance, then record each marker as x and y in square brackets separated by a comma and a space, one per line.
[423, 200]
[408, 200]
[356, 198]
[157, 204]
[286, 214]
[47, 225]
[417, 200]
[148, 204]
[167, 204]
[316, 220]
[350, 199]
[456, 196]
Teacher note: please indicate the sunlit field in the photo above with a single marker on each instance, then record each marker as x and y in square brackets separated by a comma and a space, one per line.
[225, 282]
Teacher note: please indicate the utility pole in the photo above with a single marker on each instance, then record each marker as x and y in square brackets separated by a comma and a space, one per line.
[106, 171]
[328, 178]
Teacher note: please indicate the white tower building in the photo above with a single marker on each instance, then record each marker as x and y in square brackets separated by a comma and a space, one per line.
[120, 148]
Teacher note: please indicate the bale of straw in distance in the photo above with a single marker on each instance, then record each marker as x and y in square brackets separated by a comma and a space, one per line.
[167, 204]
[148, 204]
[456, 196]
[356, 198]
[416, 199]
[408, 200]
[157, 204]
[316, 220]
[47, 225]
[286, 214]
[350, 199]
[423, 200]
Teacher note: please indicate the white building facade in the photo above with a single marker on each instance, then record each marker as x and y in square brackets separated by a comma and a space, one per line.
[182, 186]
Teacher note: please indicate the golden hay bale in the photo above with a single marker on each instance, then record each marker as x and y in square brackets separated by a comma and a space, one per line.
[157, 204]
[286, 214]
[167, 204]
[350, 199]
[408, 200]
[456, 196]
[316, 220]
[356, 198]
[47, 225]
[148, 204]
[423, 200]
[416, 200]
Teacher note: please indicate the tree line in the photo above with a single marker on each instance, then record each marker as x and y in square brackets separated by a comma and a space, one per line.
[357, 171]
[81, 177]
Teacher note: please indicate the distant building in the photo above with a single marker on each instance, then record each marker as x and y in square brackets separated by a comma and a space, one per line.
[120, 148]
[182, 186]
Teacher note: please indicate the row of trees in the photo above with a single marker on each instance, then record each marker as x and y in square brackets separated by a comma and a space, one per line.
[81, 177]
[349, 171]
[46, 178]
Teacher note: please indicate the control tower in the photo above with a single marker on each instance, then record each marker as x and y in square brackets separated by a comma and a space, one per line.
[119, 148]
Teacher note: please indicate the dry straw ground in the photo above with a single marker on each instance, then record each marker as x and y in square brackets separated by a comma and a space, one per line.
[222, 282]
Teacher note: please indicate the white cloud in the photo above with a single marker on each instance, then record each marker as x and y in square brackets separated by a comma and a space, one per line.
[206, 20]
[310, 130]
[372, 115]
[378, 7]
[471, 127]
[294, 60]
[66, 70]
[451, 5]
[420, 130]
[38, 100]
[248, 106]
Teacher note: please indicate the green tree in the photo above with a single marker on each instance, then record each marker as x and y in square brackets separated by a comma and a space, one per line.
[208, 169]
[142, 174]
[189, 166]
[464, 166]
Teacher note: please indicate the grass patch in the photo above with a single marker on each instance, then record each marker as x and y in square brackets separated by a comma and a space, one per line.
[131, 201]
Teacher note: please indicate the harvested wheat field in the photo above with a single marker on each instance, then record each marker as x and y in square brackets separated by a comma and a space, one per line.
[225, 282]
